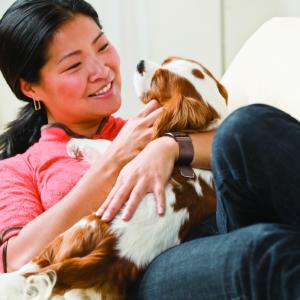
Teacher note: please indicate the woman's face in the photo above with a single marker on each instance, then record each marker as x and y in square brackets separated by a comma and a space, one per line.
[81, 81]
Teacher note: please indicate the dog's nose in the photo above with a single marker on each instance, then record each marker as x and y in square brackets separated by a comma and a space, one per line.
[141, 67]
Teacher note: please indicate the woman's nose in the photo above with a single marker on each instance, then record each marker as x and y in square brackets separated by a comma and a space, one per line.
[97, 70]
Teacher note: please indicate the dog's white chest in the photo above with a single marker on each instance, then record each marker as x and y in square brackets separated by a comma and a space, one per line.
[147, 234]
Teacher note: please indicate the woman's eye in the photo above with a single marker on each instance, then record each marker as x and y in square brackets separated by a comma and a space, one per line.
[73, 66]
[104, 47]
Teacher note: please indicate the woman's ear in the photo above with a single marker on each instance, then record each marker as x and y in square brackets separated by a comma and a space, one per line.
[28, 90]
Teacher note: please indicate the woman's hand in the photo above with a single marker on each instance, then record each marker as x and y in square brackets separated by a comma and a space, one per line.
[135, 134]
[148, 172]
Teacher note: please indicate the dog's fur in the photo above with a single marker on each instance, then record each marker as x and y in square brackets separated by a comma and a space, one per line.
[98, 260]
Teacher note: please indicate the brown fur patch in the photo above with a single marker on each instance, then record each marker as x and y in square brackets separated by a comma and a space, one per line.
[197, 73]
[198, 206]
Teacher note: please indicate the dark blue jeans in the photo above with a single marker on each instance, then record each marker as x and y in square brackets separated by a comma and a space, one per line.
[256, 255]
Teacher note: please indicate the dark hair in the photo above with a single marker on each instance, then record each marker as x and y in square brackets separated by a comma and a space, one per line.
[26, 30]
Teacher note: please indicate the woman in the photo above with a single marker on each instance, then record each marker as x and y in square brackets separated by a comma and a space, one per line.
[70, 71]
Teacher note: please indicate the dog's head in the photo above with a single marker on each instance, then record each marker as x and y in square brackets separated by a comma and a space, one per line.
[193, 99]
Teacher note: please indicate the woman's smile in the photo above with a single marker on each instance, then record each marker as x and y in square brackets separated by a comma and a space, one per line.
[104, 91]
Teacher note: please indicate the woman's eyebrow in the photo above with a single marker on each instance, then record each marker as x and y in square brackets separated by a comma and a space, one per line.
[76, 52]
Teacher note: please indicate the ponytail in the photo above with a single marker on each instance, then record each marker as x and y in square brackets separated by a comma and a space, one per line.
[23, 132]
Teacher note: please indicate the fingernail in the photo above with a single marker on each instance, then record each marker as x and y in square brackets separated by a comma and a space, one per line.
[125, 216]
[99, 212]
[160, 210]
[106, 216]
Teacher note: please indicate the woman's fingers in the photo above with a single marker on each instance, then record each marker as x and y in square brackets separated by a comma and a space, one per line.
[152, 117]
[160, 197]
[148, 108]
[115, 202]
[118, 196]
[136, 196]
[105, 204]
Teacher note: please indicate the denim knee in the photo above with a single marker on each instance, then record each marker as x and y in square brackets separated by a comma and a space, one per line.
[243, 125]
[246, 133]
[268, 262]
[248, 124]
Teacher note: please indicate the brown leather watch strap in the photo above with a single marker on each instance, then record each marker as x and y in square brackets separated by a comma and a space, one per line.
[186, 153]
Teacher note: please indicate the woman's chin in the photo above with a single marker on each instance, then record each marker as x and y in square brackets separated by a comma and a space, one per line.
[112, 108]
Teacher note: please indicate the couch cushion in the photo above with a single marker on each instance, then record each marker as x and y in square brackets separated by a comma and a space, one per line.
[267, 68]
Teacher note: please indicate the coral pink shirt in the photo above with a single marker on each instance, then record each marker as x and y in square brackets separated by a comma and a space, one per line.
[34, 181]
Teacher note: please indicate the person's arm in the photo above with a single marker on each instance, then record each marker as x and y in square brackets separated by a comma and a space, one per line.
[202, 143]
[149, 173]
[83, 199]
[87, 194]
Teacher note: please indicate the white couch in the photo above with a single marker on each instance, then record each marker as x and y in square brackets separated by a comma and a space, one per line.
[267, 68]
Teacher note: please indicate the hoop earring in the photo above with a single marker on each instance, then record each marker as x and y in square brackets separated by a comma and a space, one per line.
[37, 104]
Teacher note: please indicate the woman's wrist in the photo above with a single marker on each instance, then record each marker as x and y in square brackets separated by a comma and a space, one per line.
[167, 146]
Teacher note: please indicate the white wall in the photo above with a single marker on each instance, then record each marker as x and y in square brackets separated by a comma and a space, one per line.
[189, 28]
[241, 19]
[288, 8]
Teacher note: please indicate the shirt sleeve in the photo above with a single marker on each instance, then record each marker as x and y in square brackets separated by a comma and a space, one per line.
[19, 199]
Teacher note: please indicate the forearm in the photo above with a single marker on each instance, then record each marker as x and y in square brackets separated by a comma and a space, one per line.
[202, 143]
[84, 198]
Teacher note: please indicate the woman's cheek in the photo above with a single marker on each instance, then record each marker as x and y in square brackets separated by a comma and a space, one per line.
[73, 86]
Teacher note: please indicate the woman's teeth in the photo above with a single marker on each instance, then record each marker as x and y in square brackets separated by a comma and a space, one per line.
[102, 91]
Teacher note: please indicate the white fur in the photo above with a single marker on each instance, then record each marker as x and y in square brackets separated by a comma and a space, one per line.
[146, 235]
[13, 286]
[142, 83]
[78, 294]
[206, 175]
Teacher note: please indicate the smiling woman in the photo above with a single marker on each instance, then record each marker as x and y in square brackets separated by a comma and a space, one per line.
[81, 82]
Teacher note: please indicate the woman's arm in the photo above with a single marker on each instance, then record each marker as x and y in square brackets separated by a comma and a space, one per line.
[202, 143]
[87, 194]
[84, 198]
[149, 173]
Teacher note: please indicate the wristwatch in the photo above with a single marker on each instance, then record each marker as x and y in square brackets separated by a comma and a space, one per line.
[186, 153]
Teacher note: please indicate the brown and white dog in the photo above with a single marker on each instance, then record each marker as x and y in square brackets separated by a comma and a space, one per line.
[98, 260]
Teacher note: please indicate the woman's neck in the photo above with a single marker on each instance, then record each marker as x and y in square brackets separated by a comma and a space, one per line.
[87, 129]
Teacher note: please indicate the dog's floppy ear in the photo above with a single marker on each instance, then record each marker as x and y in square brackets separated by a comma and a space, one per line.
[184, 114]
